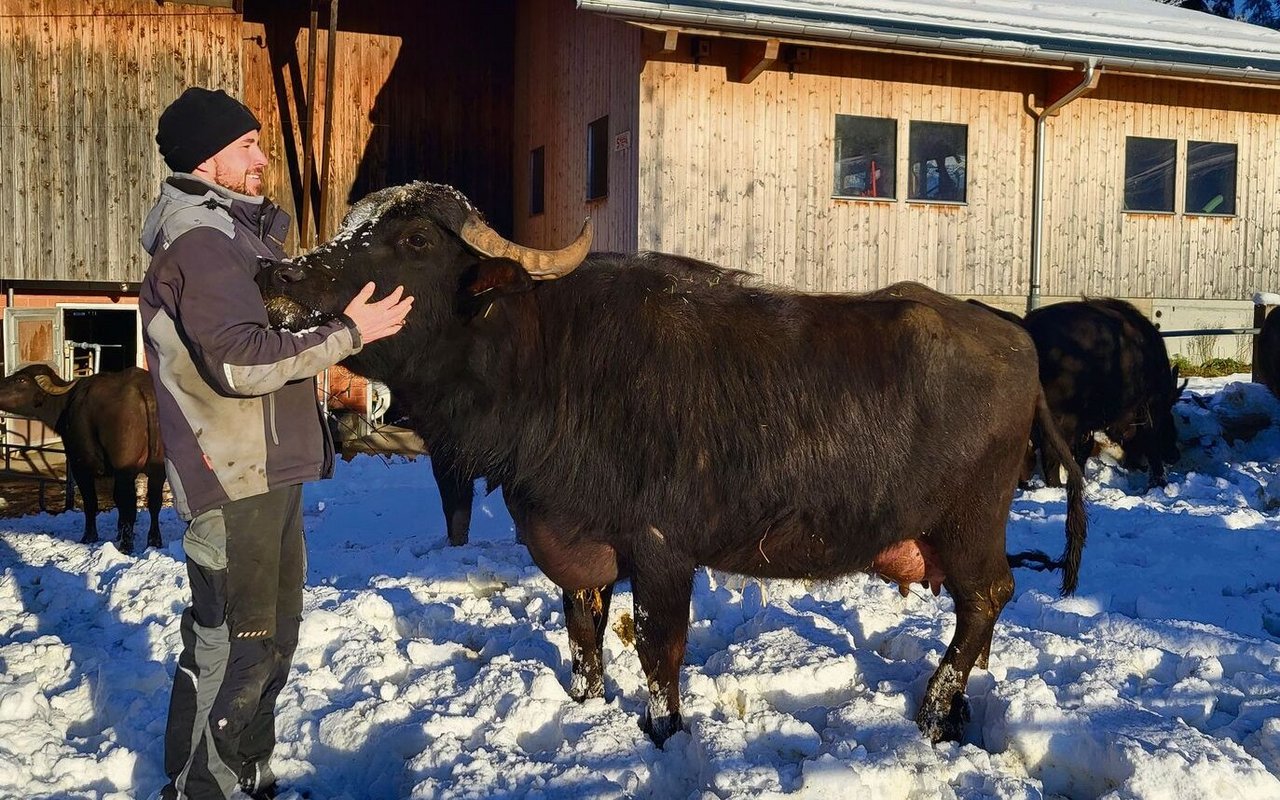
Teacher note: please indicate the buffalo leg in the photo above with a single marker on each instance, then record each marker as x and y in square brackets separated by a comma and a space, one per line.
[155, 499]
[84, 480]
[1081, 447]
[980, 591]
[1145, 445]
[662, 591]
[456, 494]
[1155, 468]
[1048, 461]
[586, 615]
[125, 493]
[984, 657]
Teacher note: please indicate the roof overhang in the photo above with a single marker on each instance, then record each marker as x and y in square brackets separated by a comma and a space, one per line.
[833, 24]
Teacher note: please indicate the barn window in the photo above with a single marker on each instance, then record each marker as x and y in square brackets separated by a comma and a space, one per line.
[537, 180]
[1149, 166]
[866, 151]
[938, 161]
[598, 158]
[1211, 178]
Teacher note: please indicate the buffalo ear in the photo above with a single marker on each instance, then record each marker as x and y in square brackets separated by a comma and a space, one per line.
[490, 279]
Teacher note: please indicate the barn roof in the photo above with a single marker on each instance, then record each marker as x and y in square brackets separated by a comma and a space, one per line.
[1121, 35]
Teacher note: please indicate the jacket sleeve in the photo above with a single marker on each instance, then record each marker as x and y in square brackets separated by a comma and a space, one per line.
[221, 315]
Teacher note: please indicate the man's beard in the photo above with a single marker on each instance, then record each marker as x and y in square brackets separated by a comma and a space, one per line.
[236, 182]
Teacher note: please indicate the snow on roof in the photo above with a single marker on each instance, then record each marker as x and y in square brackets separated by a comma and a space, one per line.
[1137, 34]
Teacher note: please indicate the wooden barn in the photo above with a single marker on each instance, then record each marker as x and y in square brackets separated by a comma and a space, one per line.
[1000, 149]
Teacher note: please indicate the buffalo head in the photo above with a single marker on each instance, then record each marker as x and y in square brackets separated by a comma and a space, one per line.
[425, 236]
[26, 391]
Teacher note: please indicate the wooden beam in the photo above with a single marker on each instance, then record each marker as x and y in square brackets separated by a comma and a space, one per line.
[670, 39]
[755, 57]
[231, 4]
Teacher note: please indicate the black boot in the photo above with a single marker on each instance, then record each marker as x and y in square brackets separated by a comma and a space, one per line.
[258, 781]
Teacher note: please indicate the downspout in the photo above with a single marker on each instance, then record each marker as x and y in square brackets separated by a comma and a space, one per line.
[1090, 80]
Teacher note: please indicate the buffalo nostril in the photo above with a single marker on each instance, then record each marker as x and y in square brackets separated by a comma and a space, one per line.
[286, 275]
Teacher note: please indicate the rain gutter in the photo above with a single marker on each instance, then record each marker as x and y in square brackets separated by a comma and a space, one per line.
[1087, 84]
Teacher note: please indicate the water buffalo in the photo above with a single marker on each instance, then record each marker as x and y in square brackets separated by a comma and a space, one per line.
[1104, 368]
[108, 427]
[647, 414]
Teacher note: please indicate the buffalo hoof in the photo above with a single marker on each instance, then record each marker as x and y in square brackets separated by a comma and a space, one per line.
[583, 688]
[154, 541]
[89, 538]
[125, 545]
[457, 541]
[938, 725]
[662, 728]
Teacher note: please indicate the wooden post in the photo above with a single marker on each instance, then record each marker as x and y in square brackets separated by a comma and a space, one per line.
[308, 150]
[328, 118]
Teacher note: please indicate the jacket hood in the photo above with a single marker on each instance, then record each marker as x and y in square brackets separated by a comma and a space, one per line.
[186, 202]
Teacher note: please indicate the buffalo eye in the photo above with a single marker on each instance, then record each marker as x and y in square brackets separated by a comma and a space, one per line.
[417, 240]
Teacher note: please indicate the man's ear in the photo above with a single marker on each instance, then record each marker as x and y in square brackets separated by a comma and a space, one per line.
[489, 279]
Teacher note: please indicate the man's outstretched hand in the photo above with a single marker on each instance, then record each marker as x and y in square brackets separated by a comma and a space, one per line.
[380, 318]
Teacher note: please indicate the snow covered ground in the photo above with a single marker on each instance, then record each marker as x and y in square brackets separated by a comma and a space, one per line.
[426, 671]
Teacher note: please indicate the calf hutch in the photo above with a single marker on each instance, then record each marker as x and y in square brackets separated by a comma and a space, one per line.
[1016, 152]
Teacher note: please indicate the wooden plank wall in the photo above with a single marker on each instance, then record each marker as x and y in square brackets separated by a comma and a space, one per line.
[83, 84]
[742, 174]
[571, 69]
[1093, 247]
[411, 101]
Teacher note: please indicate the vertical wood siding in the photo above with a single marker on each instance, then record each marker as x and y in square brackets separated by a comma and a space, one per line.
[743, 174]
[1092, 246]
[83, 84]
[411, 101]
[571, 69]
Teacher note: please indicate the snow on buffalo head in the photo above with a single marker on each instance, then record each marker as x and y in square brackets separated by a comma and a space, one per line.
[426, 236]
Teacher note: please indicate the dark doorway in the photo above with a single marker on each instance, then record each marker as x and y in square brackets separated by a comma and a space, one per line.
[101, 340]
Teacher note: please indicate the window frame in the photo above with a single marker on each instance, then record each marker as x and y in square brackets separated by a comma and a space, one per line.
[911, 124]
[1173, 180]
[893, 161]
[1235, 180]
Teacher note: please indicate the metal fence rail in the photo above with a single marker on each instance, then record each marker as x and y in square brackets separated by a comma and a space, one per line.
[9, 453]
[1260, 311]
[1214, 332]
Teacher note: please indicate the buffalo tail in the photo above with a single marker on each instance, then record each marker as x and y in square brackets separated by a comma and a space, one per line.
[1077, 521]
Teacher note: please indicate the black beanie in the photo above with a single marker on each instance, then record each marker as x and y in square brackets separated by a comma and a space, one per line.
[199, 124]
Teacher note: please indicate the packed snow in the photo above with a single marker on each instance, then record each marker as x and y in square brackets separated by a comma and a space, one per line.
[426, 671]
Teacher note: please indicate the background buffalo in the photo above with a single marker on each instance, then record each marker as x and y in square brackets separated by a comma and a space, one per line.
[1268, 354]
[1104, 368]
[108, 427]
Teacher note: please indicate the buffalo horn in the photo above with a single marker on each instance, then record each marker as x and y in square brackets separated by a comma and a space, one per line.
[543, 265]
[46, 384]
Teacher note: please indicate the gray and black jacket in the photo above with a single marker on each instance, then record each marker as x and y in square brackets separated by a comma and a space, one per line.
[237, 398]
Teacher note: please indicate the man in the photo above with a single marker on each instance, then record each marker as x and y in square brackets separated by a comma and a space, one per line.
[242, 432]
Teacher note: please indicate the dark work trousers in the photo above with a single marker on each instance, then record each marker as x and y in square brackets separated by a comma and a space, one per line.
[246, 563]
